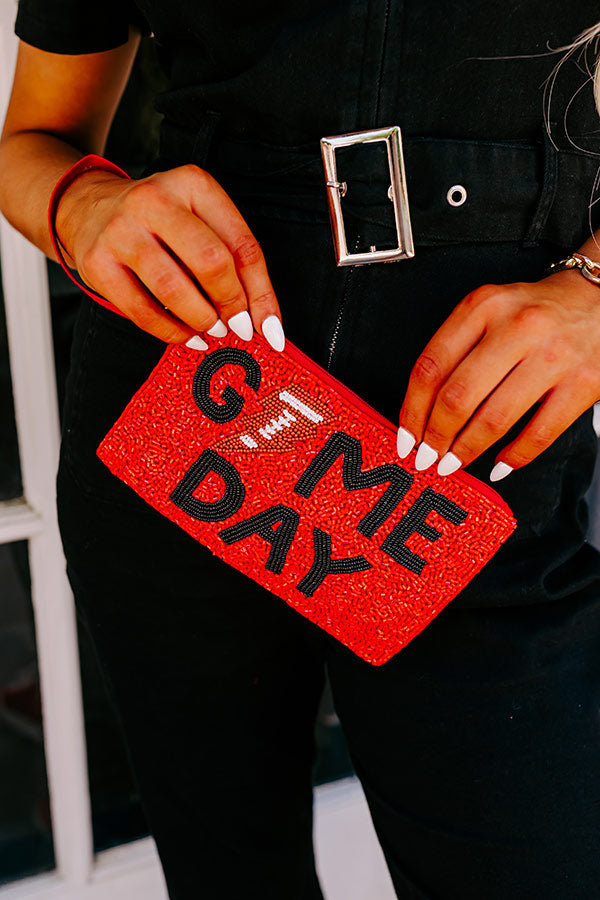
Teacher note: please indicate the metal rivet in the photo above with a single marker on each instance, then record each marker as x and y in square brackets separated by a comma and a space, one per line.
[456, 195]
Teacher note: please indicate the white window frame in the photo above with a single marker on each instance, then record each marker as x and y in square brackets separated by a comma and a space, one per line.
[349, 859]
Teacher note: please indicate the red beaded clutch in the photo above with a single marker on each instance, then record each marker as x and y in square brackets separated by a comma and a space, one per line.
[288, 476]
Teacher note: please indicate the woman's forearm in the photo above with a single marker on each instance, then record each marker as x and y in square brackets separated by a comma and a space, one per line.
[61, 108]
[30, 165]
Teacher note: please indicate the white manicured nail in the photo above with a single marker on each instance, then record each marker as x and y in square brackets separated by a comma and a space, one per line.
[426, 456]
[500, 471]
[404, 442]
[219, 329]
[196, 343]
[273, 332]
[241, 323]
[448, 464]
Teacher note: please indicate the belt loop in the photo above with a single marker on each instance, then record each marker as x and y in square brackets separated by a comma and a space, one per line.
[548, 190]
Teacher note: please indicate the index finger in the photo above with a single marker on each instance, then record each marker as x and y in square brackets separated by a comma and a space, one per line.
[214, 206]
[451, 343]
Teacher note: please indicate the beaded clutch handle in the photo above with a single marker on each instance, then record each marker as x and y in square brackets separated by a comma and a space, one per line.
[287, 475]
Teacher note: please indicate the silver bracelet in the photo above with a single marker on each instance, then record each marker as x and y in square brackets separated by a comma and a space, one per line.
[588, 268]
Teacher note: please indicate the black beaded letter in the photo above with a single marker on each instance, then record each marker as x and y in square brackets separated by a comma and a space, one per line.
[227, 411]
[324, 565]
[354, 479]
[414, 522]
[215, 510]
[262, 524]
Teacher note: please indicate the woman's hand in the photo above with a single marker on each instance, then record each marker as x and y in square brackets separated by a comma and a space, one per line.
[172, 240]
[503, 349]
[172, 252]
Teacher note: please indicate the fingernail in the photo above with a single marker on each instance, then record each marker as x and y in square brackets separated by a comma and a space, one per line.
[448, 464]
[500, 471]
[219, 329]
[273, 332]
[241, 323]
[404, 442]
[196, 343]
[425, 457]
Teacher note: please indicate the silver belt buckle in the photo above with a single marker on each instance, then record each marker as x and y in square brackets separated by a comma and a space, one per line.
[396, 193]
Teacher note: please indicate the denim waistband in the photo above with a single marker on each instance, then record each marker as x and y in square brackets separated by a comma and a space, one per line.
[514, 191]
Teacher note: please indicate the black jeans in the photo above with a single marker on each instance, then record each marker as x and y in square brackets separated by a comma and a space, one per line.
[477, 745]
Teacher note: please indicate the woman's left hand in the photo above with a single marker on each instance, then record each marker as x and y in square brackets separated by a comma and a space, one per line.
[503, 349]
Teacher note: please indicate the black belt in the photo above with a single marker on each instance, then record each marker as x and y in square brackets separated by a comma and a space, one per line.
[514, 191]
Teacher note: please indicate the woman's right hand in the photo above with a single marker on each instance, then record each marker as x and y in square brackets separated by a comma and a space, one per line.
[174, 239]
[171, 251]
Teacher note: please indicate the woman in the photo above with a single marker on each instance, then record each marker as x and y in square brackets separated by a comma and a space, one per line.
[477, 745]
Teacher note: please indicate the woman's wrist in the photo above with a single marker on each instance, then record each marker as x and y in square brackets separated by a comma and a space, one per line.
[72, 208]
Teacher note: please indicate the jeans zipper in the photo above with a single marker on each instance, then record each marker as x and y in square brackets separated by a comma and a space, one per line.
[340, 309]
[386, 21]
[338, 321]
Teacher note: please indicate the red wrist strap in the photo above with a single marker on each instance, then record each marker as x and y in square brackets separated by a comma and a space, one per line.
[83, 165]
